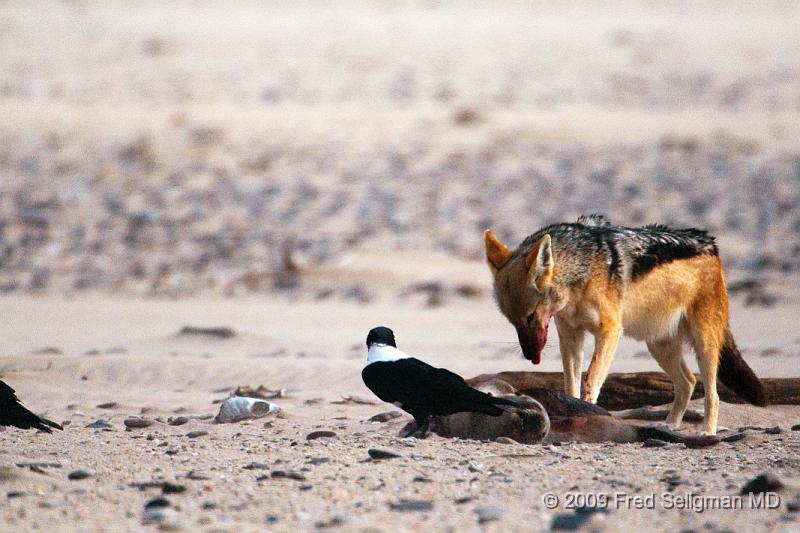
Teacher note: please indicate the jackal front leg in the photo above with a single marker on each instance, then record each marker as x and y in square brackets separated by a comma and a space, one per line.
[605, 346]
[570, 343]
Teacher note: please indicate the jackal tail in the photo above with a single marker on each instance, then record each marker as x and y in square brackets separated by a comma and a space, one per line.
[735, 374]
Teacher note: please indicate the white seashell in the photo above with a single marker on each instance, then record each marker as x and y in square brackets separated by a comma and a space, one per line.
[240, 408]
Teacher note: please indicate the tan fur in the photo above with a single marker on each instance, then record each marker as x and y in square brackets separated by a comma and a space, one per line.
[684, 301]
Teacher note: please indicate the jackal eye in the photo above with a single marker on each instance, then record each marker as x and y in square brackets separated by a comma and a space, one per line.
[529, 319]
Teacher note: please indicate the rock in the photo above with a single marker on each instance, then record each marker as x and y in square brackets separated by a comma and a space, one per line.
[197, 476]
[701, 441]
[168, 487]
[196, 434]
[505, 440]
[335, 521]
[765, 482]
[463, 500]
[489, 514]
[218, 332]
[321, 434]
[375, 453]
[241, 408]
[773, 430]
[177, 421]
[796, 427]
[256, 466]
[412, 505]
[282, 474]
[108, 405]
[76, 475]
[99, 424]
[137, 423]
[385, 417]
[736, 437]
[156, 503]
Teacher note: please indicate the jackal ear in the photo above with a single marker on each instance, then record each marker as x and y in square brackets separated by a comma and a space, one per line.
[497, 253]
[540, 263]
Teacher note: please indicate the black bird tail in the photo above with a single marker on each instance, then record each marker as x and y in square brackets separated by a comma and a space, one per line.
[481, 402]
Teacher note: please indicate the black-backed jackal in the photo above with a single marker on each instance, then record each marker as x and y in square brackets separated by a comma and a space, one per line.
[659, 285]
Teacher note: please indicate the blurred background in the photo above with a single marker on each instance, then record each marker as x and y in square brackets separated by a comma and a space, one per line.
[182, 148]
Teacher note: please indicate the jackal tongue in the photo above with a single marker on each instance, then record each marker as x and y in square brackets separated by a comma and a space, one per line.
[532, 344]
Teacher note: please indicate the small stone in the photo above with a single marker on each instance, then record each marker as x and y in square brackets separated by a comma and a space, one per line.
[108, 405]
[736, 437]
[16, 494]
[701, 441]
[136, 423]
[773, 430]
[375, 453]
[100, 424]
[765, 482]
[156, 503]
[256, 466]
[385, 417]
[177, 421]
[197, 476]
[505, 440]
[172, 488]
[796, 427]
[422, 479]
[80, 474]
[463, 500]
[321, 434]
[281, 474]
[412, 505]
[654, 443]
[489, 514]
[335, 521]
[196, 434]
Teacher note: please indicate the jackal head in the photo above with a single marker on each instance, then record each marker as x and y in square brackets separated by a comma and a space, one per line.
[525, 290]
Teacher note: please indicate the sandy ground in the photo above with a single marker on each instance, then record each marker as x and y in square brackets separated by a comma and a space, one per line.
[127, 351]
[304, 171]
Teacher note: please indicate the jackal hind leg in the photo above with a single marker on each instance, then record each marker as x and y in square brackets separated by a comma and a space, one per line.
[669, 355]
[707, 345]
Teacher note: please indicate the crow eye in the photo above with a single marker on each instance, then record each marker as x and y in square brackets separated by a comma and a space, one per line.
[529, 319]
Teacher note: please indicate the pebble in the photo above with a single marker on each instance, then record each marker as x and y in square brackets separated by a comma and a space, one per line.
[80, 474]
[335, 521]
[736, 437]
[375, 453]
[157, 503]
[773, 430]
[796, 427]
[321, 434]
[197, 476]
[100, 424]
[654, 443]
[282, 474]
[701, 441]
[177, 421]
[412, 505]
[135, 423]
[108, 405]
[765, 482]
[385, 417]
[489, 514]
[195, 434]
[256, 466]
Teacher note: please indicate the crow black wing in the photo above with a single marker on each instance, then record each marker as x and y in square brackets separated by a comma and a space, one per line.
[13, 413]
